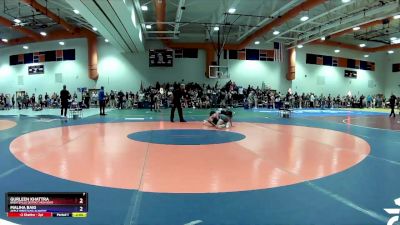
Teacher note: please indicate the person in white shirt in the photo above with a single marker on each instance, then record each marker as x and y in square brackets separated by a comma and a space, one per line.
[312, 99]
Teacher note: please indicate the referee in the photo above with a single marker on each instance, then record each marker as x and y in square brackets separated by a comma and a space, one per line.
[64, 96]
[176, 102]
[102, 101]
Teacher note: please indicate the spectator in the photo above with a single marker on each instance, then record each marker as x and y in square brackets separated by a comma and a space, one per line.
[392, 103]
[102, 101]
[120, 99]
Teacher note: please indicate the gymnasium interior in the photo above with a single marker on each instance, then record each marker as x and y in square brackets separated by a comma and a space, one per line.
[208, 112]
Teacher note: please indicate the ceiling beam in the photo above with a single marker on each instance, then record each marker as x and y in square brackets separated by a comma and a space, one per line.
[220, 15]
[357, 48]
[52, 36]
[265, 20]
[72, 32]
[138, 8]
[305, 6]
[294, 29]
[287, 38]
[363, 26]
[10, 24]
[179, 13]
[76, 17]
[44, 10]
[391, 7]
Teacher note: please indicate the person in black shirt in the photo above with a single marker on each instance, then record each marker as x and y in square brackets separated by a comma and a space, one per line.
[46, 97]
[152, 100]
[120, 99]
[176, 102]
[392, 103]
[64, 96]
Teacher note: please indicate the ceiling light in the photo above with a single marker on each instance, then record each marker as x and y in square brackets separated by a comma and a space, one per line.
[322, 38]
[276, 32]
[362, 45]
[396, 41]
[257, 42]
[346, 1]
[299, 46]
[216, 28]
[337, 51]
[61, 43]
[17, 20]
[25, 47]
[76, 11]
[391, 52]
[144, 7]
[94, 28]
[148, 26]
[232, 10]
[4, 40]
[106, 40]
[356, 28]
[366, 56]
[304, 18]
[43, 33]
[396, 17]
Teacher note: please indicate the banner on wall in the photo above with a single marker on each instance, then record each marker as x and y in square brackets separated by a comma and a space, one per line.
[41, 57]
[37, 69]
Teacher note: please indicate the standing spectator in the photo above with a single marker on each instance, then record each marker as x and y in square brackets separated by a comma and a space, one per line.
[26, 100]
[13, 100]
[94, 98]
[392, 103]
[312, 99]
[373, 102]
[87, 99]
[120, 99]
[19, 101]
[369, 101]
[46, 98]
[157, 101]
[152, 100]
[64, 96]
[112, 99]
[176, 101]
[41, 101]
[102, 101]
[33, 101]
[8, 101]
[362, 101]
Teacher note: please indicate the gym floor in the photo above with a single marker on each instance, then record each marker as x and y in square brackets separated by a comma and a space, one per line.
[317, 167]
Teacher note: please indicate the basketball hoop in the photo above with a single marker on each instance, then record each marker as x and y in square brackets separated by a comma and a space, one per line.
[218, 72]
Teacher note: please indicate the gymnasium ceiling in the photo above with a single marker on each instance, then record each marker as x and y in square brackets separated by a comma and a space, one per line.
[200, 17]
[194, 20]
[36, 21]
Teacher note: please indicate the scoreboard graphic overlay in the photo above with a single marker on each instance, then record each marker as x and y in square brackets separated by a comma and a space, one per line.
[47, 204]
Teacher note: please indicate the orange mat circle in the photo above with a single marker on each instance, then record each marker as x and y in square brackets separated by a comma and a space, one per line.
[270, 156]
[7, 124]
